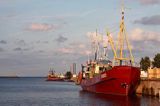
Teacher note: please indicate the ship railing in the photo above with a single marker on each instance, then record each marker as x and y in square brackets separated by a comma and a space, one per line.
[126, 63]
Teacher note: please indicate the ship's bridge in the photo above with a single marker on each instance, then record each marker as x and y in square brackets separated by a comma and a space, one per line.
[103, 65]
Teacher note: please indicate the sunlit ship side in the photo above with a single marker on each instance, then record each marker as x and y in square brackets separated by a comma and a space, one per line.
[120, 80]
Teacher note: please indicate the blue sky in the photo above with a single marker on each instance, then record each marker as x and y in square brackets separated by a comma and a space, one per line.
[38, 34]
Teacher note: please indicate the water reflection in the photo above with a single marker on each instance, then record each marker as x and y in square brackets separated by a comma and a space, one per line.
[150, 101]
[92, 99]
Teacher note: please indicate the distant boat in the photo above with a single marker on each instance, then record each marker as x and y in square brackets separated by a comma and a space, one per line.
[53, 77]
[103, 76]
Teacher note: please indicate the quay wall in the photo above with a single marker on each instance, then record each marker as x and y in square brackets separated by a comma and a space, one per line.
[149, 87]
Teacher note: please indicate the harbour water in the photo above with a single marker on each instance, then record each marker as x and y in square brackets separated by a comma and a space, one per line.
[38, 92]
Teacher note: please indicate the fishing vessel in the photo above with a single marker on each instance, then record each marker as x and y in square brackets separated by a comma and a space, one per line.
[53, 77]
[119, 77]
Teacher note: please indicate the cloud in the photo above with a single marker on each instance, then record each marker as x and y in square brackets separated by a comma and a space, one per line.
[41, 27]
[75, 51]
[77, 45]
[66, 50]
[17, 49]
[3, 42]
[1, 49]
[75, 48]
[46, 42]
[27, 49]
[43, 42]
[153, 20]
[93, 36]
[86, 52]
[22, 49]
[61, 39]
[41, 51]
[20, 42]
[149, 2]
[141, 35]
[96, 38]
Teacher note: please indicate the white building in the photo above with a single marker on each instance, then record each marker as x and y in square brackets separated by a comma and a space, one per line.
[144, 74]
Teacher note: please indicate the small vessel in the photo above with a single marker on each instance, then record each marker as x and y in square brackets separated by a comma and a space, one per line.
[53, 77]
[120, 77]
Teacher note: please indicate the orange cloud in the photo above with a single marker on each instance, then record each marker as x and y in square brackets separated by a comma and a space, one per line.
[86, 52]
[41, 27]
[66, 50]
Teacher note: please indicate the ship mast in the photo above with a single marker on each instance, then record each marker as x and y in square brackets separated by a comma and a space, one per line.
[96, 49]
[122, 40]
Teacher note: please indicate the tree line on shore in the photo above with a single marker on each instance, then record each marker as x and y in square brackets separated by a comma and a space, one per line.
[146, 62]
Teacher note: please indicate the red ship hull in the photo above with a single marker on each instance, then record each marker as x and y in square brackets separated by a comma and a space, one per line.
[120, 80]
[54, 79]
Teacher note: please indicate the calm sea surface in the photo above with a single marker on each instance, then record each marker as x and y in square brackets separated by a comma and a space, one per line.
[38, 92]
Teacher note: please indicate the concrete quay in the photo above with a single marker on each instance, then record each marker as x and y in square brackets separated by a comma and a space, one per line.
[150, 87]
